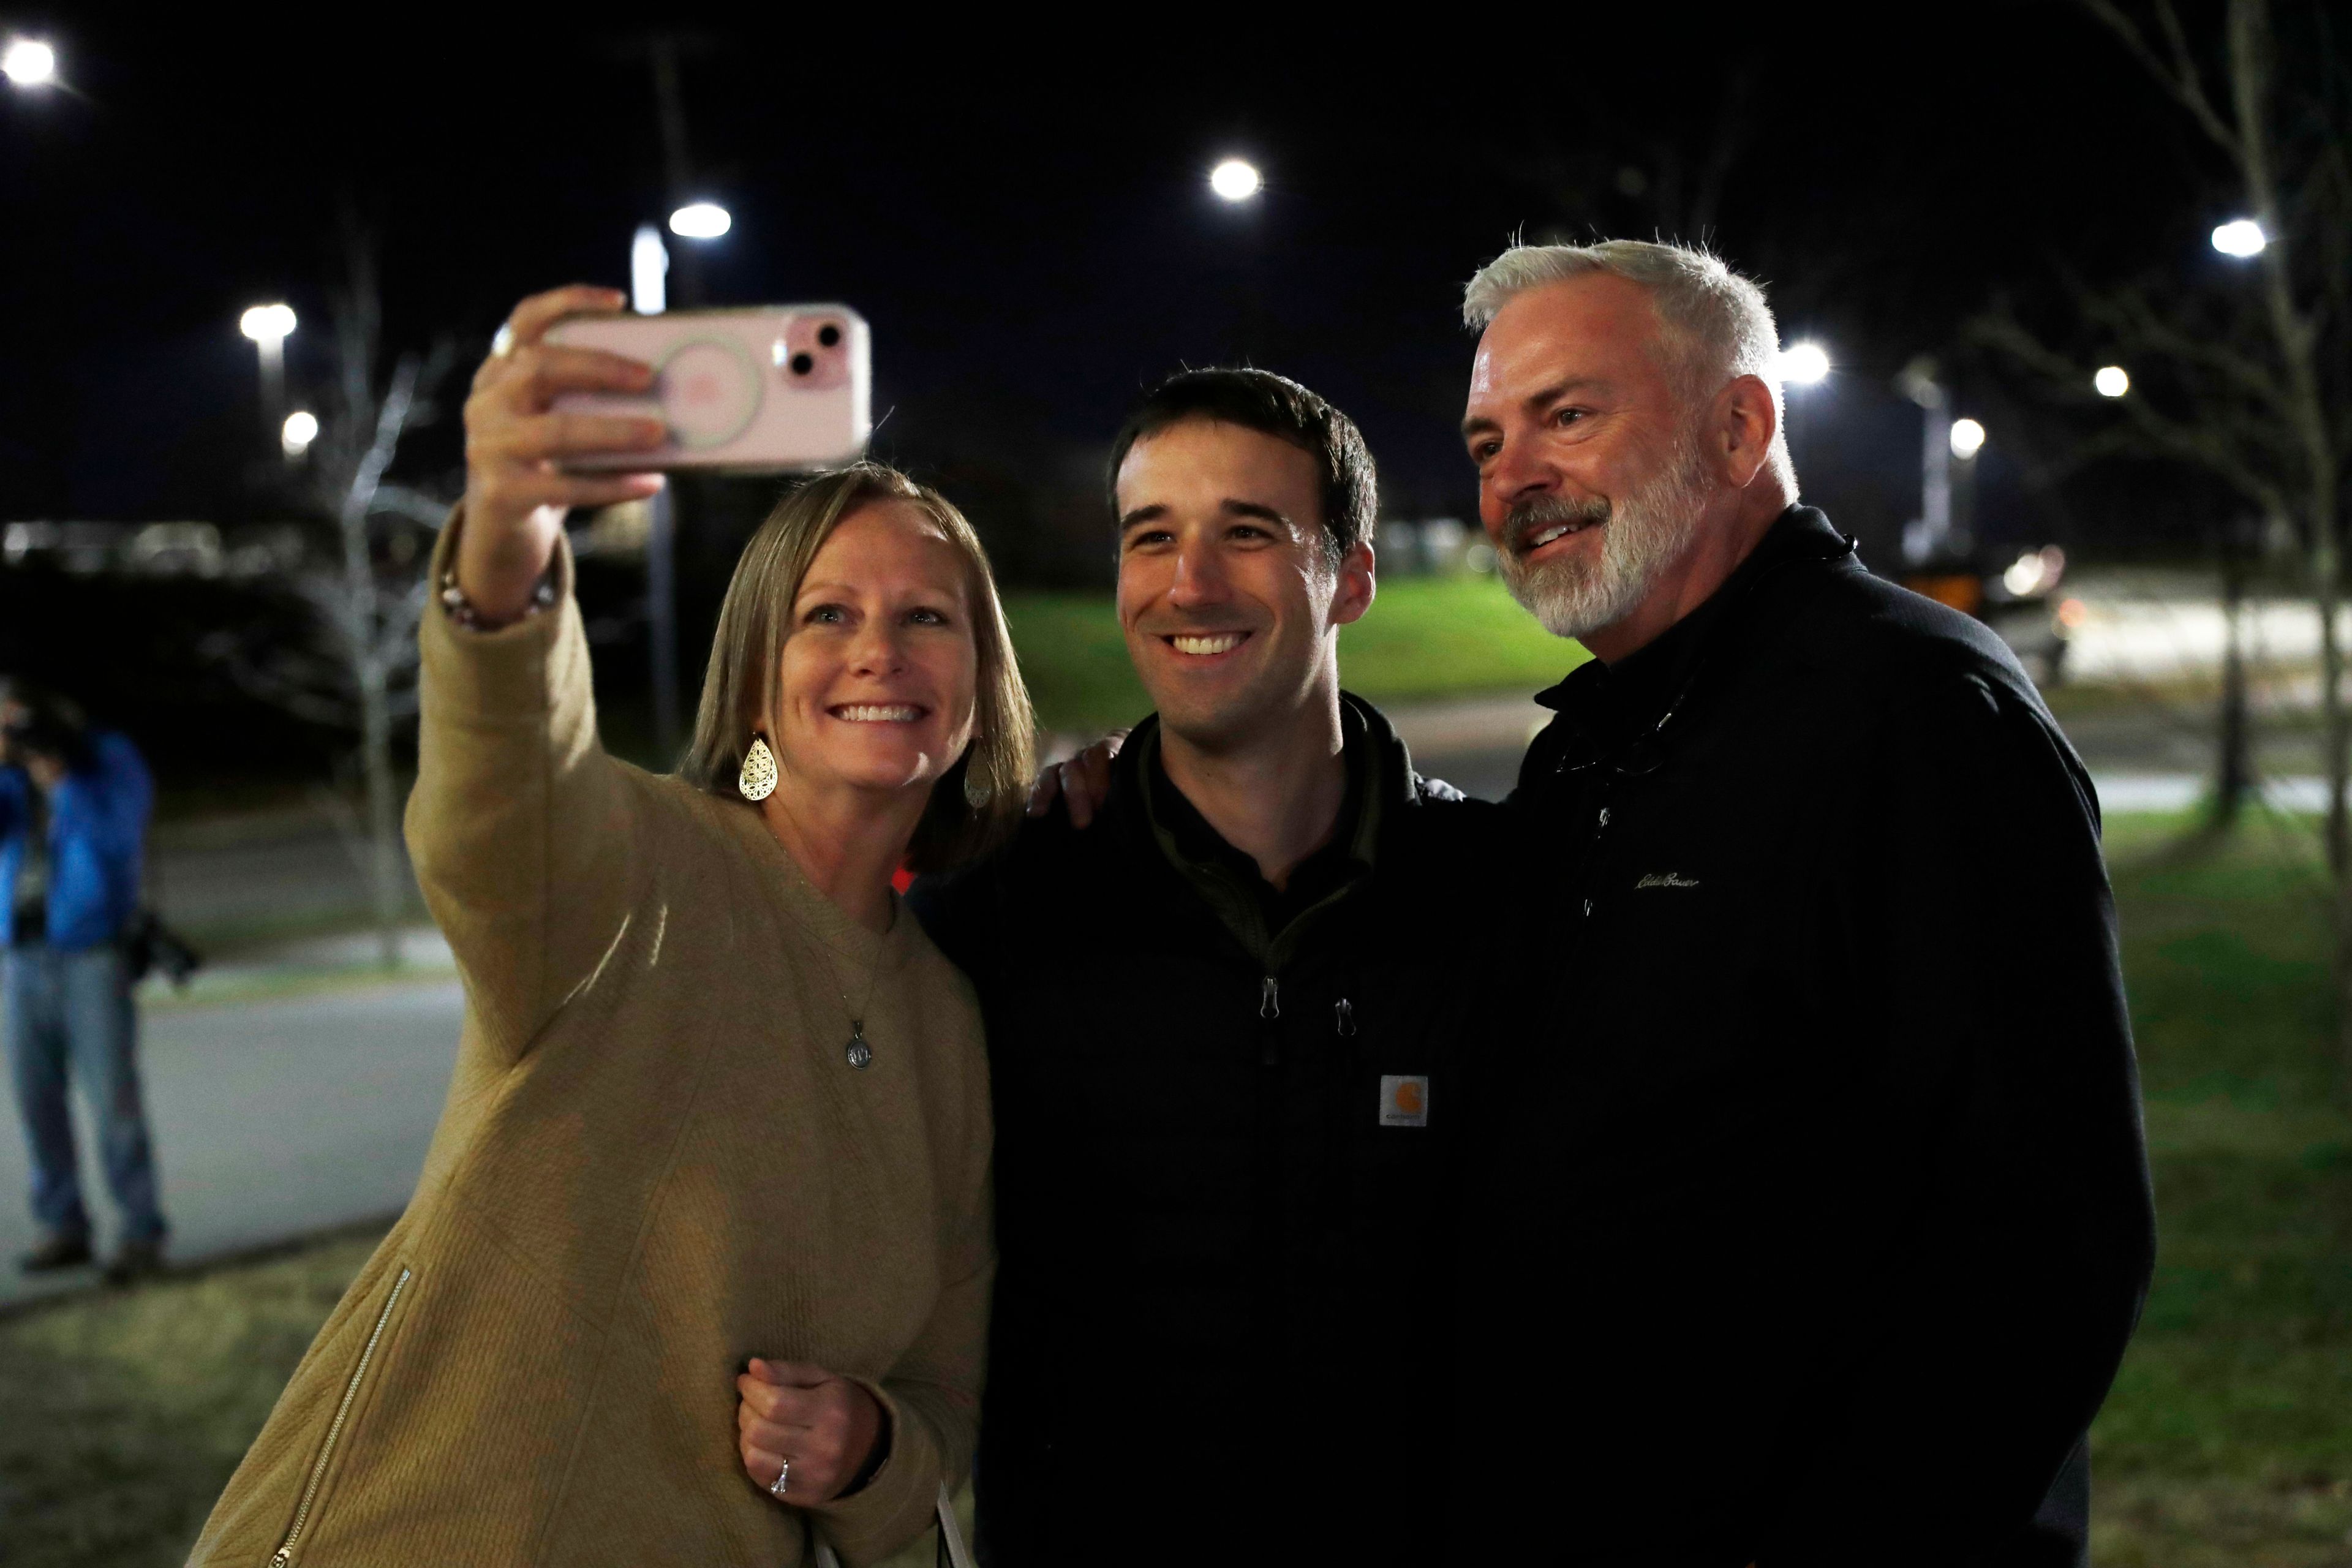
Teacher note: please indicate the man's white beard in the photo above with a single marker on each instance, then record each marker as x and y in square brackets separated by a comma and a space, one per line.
[1645, 533]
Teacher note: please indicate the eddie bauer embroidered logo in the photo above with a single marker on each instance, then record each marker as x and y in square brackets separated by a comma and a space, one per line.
[1404, 1100]
[1666, 879]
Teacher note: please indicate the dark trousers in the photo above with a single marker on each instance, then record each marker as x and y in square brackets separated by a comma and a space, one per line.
[68, 1013]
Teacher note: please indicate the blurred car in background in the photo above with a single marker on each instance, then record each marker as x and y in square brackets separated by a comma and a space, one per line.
[2017, 596]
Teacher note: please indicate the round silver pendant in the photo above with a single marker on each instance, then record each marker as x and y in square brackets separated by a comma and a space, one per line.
[859, 1055]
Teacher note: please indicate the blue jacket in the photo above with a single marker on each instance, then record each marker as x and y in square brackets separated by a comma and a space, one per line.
[97, 838]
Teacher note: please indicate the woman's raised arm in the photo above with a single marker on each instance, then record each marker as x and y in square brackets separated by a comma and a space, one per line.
[521, 829]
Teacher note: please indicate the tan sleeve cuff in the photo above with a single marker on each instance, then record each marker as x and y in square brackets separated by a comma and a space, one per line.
[495, 675]
[897, 1503]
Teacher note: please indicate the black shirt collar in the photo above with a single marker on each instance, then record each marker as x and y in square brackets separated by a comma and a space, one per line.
[1266, 921]
[1628, 697]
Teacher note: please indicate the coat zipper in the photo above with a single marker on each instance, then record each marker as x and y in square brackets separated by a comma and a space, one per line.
[1269, 1012]
[285, 1554]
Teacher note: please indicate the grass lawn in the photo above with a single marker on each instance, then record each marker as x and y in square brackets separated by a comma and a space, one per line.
[2228, 1438]
[1424, 638]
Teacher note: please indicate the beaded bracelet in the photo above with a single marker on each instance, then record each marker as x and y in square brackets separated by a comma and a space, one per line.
[461, 609]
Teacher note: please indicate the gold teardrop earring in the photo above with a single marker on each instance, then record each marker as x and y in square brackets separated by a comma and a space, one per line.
[758, 779]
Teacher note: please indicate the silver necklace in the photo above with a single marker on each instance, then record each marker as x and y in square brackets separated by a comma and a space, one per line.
[857, 1053]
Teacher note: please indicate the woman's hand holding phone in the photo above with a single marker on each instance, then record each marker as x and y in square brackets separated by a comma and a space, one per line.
[516, 443]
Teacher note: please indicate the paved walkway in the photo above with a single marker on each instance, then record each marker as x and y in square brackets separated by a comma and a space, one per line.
[273, 1118]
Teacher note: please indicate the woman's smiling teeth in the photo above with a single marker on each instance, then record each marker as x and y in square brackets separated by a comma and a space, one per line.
[1215, 642]
[877, 712]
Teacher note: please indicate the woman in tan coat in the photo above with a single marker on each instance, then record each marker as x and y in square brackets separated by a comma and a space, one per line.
[720, 1110]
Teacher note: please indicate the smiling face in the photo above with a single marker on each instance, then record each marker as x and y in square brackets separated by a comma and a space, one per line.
[1227, 592]
[875, 689]
[1592, 483]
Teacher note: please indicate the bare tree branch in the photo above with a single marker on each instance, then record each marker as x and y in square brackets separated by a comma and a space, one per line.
[2178, 76]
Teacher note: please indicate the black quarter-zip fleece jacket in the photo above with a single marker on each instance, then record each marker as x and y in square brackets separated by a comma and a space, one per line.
[1221, 1160]
[1824, 1092]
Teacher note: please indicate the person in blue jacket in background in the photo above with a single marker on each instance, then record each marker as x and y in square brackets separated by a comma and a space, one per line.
[74, 804]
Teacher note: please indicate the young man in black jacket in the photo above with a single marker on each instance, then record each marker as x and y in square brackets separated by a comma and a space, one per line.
[1225, 1019]
[1821, 1093]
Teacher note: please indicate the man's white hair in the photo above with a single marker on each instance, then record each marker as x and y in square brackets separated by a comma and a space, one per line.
[1715, 324]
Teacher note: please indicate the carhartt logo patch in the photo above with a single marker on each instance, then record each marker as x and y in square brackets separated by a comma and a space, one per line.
[1666, 879]
[1404, 1100]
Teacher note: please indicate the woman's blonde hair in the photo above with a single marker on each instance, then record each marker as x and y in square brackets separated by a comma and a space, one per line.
[977, 803]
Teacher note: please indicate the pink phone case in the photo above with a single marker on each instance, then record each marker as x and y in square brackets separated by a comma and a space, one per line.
[769, 389]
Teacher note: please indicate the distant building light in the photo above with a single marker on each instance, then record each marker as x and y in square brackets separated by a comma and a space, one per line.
[29, 62]
[2072, 612]
[268, 324]
[2241, 236]
[1236, 180]
[2111, 381]
[1968, 438]
[700, 220]
[1804, 364]
[301, 429]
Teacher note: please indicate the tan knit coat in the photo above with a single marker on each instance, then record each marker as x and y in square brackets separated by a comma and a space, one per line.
[654, 1163]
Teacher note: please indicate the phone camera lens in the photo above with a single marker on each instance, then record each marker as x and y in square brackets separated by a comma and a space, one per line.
[803, 363]
[829, 335]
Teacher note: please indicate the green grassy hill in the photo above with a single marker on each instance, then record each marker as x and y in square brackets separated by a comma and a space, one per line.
[1425, 637]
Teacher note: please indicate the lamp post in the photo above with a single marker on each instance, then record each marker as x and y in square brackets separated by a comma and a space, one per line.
[649, 294]
[1943, 440]
[270, 326]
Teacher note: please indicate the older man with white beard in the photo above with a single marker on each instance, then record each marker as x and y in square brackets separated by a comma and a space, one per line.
[1814, 1208]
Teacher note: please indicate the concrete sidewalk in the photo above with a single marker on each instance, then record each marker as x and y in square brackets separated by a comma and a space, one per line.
[287, 1094]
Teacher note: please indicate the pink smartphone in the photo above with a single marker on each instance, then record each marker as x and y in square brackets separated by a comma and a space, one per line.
[773, 388]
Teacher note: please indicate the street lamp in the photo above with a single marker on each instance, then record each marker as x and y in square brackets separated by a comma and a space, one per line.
[2111, 381]
[700, 220]
[302, 428]
[648, 272]
[1968, 438]
[29, 62]
[1804, 364]
[649, 293]
[270, 326]
[1236, 180]
[2240, 237]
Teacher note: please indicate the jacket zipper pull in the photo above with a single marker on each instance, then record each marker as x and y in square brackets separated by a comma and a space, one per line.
[1269, 1009]
[1343, 1017]
[1269, 999]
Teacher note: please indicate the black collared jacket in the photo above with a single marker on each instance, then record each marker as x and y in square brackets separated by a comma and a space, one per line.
[1812, 1207]
[1222, 1147]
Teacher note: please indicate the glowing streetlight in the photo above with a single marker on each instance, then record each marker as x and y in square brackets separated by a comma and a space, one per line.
[268, 324]
[648, 272]
[29, 62]
[1968, 438]
[2111, 381]
[700, 220]
[1804, 364]
[302, 428]
[1236, 180]
[2240, 237]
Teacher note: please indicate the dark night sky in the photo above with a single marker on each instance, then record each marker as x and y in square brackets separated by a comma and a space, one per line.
[1029, 231]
